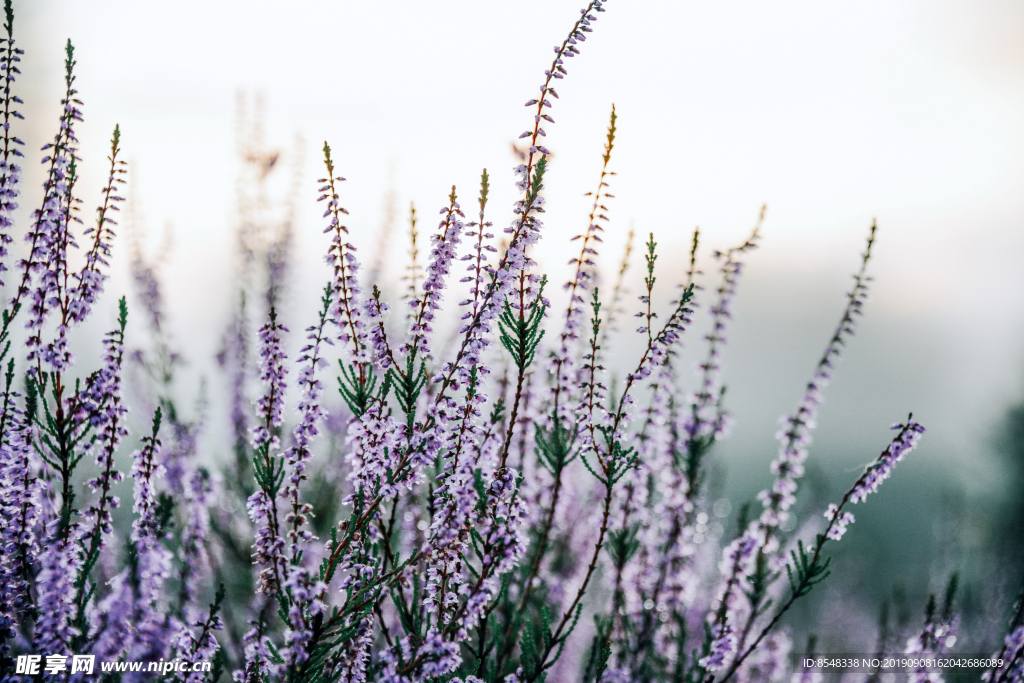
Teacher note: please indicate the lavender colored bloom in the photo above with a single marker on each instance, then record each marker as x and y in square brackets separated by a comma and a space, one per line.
[13, 467]
[432, 659]
[60, 563]
[456, 503]
[269, 546]
[107, 414]
[838, 526]
[346, 312]
[256, 652]
[374, 441]
[311, 415]
[722, 648]
[375, 310]
[272, 374]
[87, 284]
[132, 618]
[795, 437]
[145, 469]
[354, 655]
[738, 564]
[197, 492]
[937, 637]
[10, 168]
[1012, 654]
[504, 545]
[562, 361]
[50, 239]
[441, 256]
[879, 471]
[705, 419]
[22, 509]
[306, 593]
[788, 466]
[263, 504]
[199, 644]
[770, 662]
[135, 610]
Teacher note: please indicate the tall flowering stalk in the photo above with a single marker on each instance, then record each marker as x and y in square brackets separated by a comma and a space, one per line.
[342, 258]
[749, 560]
[439, 534]
[304, 587]
[604, 447]
[1010, 656]
[15, 537]
[654, 561]
[808, 567]
[581, 282]
[558, 441]
[50, 237]
[268, 467]
[88, 282]
[133, 622]
[937, 636]
[705, 421]
[10, 168]
[108, 419]
[525, 229]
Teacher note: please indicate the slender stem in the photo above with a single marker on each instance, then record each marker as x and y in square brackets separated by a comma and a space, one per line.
[806, 579]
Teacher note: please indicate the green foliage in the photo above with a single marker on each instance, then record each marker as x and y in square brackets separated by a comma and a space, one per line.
[357, 384]
[520, 330]
[807, 569]
[650, 257]
[485, 188]
[623, 544]
[600, 650]
[122, 313]
[555, 445]
[268, 470]
[408, 384]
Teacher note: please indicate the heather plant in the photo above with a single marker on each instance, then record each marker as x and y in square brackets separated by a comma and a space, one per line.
[477, 505]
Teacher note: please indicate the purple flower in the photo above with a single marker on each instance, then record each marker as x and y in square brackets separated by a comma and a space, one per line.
[705, 419]
[722, 648]
[87, 284]
[562, 361]
[837, 529]
[256, 651]
[10, 169]
[272, 374]
[937, 637]
[879, 471]
[795, 436]
[346, 312]
[441, 256]
[23, 508]
[308, 428]
[50, 238]
[60, 563]
[306, 593]
[1012, 654]
[198, 490]
[107, 414]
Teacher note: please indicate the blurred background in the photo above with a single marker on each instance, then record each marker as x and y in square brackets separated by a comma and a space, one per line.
[834, 114]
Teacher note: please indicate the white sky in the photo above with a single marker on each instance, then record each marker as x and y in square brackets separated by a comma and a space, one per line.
[832, 113]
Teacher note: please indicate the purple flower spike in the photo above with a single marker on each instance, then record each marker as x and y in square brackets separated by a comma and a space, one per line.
[10, 167]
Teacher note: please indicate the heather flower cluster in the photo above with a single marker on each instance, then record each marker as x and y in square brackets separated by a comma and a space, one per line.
[491, 502]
